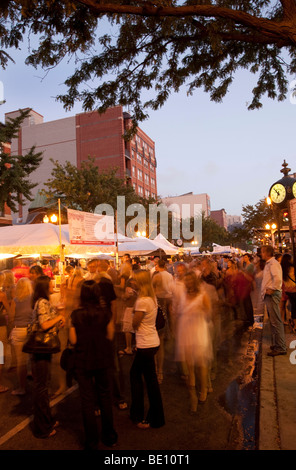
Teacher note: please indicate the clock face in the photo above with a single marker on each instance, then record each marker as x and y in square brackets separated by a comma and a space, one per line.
[294, 189]
[277, 193]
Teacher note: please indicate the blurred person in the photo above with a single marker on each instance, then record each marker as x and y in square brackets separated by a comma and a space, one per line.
[248, 271]
[289, 288]
[136, 262]
[124, 274]
[129, 298]
[179, 287]
[106, 286]
[177, 310]
[93, 360]
[4, 307]
[147, 344]
[194, 346]
[163, 285]
[230, 286]
[258, 277]
[9, 289]
[34, 272]
[21, 315]
[211, 283]
[46, 268]
[112, 272]
[45, 315]
[82, 265]
[271, 292]
[91, 270]
[20, 269]
[69, 301]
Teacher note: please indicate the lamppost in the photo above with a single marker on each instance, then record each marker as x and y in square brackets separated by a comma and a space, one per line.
[281, 192]
[53, 218]
[272, 229]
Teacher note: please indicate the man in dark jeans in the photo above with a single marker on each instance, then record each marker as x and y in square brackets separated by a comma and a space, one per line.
[271, 292]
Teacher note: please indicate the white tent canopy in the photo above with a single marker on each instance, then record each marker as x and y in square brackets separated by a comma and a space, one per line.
[165, 245]
[43, 238]
[140, 246]
[218, 249]
[27, 239]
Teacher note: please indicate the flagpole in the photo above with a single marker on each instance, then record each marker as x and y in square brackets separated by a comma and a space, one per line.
[62, 255]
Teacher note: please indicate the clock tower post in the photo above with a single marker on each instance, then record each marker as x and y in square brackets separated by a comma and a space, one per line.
[280, 193]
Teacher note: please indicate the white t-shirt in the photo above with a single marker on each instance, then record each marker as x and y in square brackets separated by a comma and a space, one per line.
[146, 334]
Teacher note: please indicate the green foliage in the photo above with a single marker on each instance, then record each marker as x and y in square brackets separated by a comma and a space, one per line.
[213, 233]
[86, 187]
[255, 217]
[15, 185]
[125, 51]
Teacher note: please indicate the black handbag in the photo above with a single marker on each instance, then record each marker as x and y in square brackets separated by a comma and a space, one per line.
[42, 341]
[160, 318]
[67, 360]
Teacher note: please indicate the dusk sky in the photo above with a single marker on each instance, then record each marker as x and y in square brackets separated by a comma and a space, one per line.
[224, 150]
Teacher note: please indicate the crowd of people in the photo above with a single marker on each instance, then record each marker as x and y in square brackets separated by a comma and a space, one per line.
[105, 313]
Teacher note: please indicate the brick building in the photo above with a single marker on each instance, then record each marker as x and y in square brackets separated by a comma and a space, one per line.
[99, 136]
[219, 217]
[5, 216]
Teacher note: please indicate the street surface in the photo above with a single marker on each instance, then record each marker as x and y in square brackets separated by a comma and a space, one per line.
[227, 421]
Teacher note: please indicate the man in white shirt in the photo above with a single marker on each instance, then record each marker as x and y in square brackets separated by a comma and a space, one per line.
[271, 292]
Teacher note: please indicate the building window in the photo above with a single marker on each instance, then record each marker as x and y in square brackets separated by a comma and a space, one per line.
[140, 190]
[152, 181]
[140, 175]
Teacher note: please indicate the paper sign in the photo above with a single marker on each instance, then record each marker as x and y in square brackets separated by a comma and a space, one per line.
[293, 213]
[86, 228]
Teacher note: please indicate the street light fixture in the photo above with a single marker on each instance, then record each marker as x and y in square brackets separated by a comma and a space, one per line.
[141, 234]
[272, 228]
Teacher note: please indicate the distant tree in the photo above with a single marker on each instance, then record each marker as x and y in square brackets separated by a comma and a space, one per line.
[160, 45]
[213, 233]
[255, 217]
[15, 185]
[86, 187]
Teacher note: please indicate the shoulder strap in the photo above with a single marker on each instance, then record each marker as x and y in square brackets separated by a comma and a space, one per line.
[293, 280]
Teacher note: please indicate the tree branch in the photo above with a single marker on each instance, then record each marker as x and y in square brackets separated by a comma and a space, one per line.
[277, 29]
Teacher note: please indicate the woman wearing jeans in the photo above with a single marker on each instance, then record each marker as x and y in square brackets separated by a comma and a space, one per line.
[43, 423]
[147, 343]
[20, 316]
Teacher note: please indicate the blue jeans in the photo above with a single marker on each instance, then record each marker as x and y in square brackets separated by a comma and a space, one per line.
[272, 303]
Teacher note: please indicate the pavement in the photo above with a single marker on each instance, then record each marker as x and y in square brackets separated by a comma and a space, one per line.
[277, 404]
[251, 390]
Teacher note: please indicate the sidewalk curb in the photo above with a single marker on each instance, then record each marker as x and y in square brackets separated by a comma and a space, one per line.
[277, 404]
[269, 432]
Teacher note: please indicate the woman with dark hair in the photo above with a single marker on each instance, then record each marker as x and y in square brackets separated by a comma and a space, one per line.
[89, 333]
[45, 315]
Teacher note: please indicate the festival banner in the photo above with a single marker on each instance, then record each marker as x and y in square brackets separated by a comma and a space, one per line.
[86, 228]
